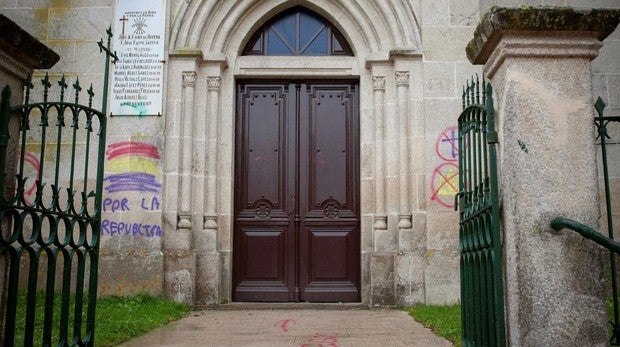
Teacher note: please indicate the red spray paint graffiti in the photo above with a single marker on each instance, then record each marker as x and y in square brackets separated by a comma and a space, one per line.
[445, 178]
[321, 340]
[120, 149]
[33, 174]
[447, 145]
[283, 324]
[445, 184]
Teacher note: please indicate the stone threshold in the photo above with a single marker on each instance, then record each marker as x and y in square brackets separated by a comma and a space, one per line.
[290, 306]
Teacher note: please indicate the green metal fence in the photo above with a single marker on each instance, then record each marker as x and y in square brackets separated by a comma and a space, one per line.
[482, 298]
[50, 213]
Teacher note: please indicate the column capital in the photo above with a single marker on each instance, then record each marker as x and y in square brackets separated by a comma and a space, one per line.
[214, 82]
[378, 82]
[402, 78]
[189, 78]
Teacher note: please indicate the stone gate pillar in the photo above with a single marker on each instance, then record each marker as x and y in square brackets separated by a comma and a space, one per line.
[538, 61]
[20, 54]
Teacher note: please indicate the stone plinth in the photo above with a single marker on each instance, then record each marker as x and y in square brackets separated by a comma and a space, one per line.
[538, 61]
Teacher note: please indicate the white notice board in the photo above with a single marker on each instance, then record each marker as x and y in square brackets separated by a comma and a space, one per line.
[137, 78]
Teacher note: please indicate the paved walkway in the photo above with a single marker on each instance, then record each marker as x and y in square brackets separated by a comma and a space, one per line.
[304, 327]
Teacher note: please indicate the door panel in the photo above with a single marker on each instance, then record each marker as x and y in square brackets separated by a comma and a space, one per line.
[296, 227]
[263, 232]
[329, 209]
[264, 259]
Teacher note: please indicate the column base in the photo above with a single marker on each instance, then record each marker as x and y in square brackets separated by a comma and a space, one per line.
[404, 221]
[380, 222]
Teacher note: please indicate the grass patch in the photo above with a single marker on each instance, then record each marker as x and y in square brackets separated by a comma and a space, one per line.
[122, 318]
[118, 319]
[444, 321]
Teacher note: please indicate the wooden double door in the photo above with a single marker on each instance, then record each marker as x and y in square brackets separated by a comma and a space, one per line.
[296, 213]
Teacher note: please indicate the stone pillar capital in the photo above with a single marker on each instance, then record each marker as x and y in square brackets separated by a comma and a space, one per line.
[214, 83]
[539, 32]
[378, 83]
[402, 78]
[189, 79]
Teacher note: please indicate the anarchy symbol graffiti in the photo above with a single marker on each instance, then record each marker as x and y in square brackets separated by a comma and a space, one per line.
[445, 184]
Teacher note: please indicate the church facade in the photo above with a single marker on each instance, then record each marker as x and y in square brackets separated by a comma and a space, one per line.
[306, 150]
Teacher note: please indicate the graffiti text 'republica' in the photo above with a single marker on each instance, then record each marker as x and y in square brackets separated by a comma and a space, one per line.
[112, 228]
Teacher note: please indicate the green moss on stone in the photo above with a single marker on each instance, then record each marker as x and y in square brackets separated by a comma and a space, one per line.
[599, 22]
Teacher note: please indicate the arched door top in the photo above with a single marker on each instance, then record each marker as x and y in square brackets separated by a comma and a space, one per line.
[224, 27]
[297, 31]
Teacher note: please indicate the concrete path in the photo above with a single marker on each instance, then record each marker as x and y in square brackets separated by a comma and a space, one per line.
[300, 327]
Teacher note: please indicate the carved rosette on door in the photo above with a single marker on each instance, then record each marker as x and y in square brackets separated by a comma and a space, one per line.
[296, 228]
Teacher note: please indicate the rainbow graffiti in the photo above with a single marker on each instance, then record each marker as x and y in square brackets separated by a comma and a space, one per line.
[132, 167]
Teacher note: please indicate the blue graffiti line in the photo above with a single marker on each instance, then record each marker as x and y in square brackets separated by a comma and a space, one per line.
[132, 229]
[132, 181]
[453, 141]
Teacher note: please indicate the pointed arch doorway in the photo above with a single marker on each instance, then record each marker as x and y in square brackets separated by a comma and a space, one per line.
[296, 234]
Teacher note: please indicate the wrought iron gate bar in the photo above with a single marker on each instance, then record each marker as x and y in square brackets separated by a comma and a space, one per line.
[601, 123]
[43, 223]
[482, 296]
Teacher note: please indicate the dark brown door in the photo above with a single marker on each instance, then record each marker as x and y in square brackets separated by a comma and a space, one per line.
[296, 218]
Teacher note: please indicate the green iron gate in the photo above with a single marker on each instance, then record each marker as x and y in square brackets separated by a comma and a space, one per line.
[482, 298]
[50, 213]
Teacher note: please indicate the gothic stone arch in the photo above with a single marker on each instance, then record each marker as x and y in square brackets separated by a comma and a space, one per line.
[204, 61]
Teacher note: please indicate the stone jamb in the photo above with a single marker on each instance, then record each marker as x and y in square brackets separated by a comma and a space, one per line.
[177, 246]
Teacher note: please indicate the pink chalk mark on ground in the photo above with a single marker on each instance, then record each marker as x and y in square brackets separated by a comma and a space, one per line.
[283, 324]
[321, 340]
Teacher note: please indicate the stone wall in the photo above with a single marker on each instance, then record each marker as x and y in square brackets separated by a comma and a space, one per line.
[130, 258]
[447, 26]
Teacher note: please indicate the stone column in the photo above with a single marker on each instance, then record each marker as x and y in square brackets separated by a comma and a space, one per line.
[185, 193]
[538, 61]
[378, 86]
[210, 220]
[402, 90]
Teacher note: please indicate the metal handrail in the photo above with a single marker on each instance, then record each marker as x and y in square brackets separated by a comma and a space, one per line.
[560, 223]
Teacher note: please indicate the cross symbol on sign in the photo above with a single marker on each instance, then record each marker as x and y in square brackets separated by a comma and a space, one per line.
[124, 19]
